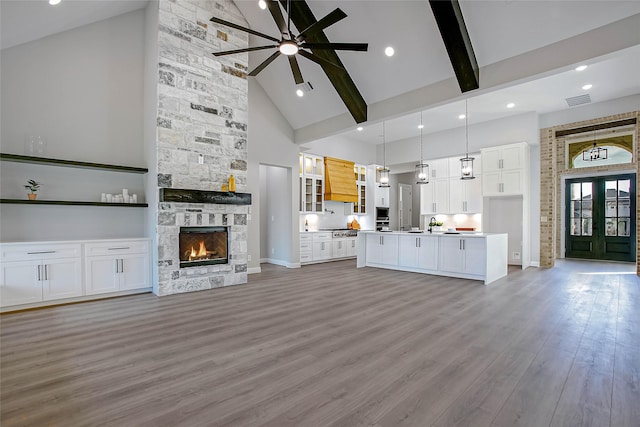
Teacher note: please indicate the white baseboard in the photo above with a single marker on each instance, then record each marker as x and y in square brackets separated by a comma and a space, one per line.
[254, 270]
[280, 262]
[535, 264]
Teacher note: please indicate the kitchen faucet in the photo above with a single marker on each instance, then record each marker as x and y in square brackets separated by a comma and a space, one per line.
[431, 221]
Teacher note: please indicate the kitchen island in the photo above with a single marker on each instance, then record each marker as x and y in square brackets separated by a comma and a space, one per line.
[476, 256]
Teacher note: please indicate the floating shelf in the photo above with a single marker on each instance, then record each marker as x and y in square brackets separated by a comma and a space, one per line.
[70, 164]
[201, 196]
[70, 203]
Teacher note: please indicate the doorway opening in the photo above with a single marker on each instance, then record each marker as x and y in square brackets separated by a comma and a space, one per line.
[600, 218]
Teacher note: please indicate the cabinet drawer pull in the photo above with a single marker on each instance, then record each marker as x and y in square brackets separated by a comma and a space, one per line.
[41, 252]
[46, 272]
[120, 248]
[39, 279]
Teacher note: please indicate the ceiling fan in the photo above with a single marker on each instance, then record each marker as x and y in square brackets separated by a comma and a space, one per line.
[290, 44]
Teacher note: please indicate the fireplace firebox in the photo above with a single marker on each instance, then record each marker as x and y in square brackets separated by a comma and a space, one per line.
[203, 246]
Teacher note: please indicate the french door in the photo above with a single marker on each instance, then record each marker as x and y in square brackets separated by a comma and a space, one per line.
[600, 218]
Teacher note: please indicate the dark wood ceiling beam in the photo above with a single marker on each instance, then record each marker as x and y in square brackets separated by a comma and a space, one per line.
[456, 39]
[302, 17]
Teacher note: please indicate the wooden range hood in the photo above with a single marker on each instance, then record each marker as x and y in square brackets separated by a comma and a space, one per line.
[340, 180]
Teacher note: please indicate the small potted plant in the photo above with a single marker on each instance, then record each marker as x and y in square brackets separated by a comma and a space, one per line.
[33, 186]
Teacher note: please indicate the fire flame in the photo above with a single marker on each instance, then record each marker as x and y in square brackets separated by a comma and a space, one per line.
[202, 252]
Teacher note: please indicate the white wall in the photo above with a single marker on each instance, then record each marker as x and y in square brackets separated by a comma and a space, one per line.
[270, 142]
[344, 148]
[82, 90]
[591, 111]
[150, 138]
[276, 215]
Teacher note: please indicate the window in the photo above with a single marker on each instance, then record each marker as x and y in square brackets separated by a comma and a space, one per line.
[619, 150]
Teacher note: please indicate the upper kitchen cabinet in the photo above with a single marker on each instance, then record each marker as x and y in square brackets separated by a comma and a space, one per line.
[360, 172]
[434, 197]
[439, 168]
[505, 170]
[382, 194]
[465, 195]
[311, 183]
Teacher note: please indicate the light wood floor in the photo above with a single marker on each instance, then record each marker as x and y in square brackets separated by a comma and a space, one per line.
[332, 345]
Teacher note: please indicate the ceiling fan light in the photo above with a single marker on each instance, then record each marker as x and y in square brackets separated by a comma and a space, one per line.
[288, 48]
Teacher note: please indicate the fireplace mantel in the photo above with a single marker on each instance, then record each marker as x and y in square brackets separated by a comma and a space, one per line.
[202, 196]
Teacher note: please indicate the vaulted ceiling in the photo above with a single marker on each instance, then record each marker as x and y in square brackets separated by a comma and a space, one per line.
[526, 50]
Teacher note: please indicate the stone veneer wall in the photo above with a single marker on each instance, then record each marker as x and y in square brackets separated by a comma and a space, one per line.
[202, 110]
[553, 168]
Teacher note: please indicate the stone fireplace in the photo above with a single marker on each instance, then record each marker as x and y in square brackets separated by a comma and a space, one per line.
[201, 141]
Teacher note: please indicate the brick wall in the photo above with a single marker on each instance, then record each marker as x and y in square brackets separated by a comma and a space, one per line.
[553, 168]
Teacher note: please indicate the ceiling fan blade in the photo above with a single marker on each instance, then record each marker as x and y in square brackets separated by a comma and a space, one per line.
[264, 64]
[361, 47]
[241, 28]
[276, 13]
[323, 23]
[319, 60]
[295, 69]
[249, 49]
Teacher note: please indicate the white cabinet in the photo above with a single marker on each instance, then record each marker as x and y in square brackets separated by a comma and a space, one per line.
[360, 172]
[32, 273]
[306, 248]
[416, 251]
[465, 195]
[311, 183]
[116, 266]
[463, 255]
[382, 197]
[505, 170]
[351, 246]
[434, 197]
[382, 249]
[321, 246]
[438, 169]
[339, 248]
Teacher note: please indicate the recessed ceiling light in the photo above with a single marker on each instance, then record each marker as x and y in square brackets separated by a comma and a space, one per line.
[461, 116]
[299, 92]
[54, 2]
[359, 128]
[420, 126]
[389, 51]
[262, 4]
[581, 68]
[587, 87]
[511, 105]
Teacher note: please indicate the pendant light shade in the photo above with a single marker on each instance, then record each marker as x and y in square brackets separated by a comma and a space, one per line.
[384, 172]
[595, 152]
[466, 163]
[422, 168]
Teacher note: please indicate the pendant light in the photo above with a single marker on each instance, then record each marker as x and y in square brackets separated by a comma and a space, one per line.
[384, 172]
[422, 168]
[466, 163]
[595, 152]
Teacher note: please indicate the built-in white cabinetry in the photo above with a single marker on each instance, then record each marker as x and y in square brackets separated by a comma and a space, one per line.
[339, 248]
[438, 169]
[360, 172]
[311, 183]
[381, 194]
[418, 251]
[306, 248]
[465, 195]
[116, 266]
[35, 273]
[351, 246]
[505, 170]
[382, 249]
[434, 197]
[321, 246]
[463, 255]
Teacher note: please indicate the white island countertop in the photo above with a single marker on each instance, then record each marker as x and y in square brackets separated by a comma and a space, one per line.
[434, 233]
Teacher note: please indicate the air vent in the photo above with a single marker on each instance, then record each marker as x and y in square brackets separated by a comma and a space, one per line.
[578, 100]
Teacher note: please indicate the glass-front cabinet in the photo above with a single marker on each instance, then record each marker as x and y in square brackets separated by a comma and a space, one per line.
[311, 183]
[360, 172]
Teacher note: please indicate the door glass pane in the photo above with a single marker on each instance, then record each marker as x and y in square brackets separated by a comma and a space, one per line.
[624, 226]
[581, 208]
